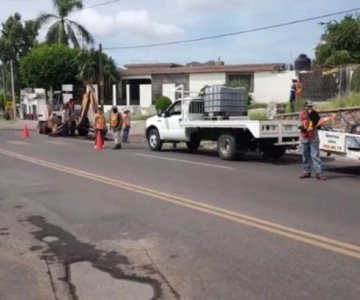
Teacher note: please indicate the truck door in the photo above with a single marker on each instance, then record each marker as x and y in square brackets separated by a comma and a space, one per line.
[173, 131]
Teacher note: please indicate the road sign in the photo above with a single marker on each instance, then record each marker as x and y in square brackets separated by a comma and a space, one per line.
[9, 105]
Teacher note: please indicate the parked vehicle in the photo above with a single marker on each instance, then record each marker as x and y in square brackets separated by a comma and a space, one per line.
[185, 121]
[341, 143]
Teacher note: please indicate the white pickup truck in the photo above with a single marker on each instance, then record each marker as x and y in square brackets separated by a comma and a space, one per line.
[341, 143]
[185, 121]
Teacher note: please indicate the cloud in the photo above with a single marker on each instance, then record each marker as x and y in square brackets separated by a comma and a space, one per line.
[134, 22]
[211, 4]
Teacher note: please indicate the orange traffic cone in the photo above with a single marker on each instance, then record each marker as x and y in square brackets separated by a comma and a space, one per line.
[99, 141]
[26, 133]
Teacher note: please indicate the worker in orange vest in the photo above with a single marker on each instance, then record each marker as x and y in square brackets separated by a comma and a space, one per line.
[299, 90]
[116, 123]
[100, 124]
[127, 125]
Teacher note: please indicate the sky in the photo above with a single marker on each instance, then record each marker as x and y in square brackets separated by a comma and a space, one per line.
[137, 22]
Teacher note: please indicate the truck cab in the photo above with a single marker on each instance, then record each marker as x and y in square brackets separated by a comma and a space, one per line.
[169, 123]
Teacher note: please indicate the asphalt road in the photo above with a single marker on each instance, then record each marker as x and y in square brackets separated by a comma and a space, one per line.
[189, 225]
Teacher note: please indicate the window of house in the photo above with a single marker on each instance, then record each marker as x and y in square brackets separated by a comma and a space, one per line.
[245, 79]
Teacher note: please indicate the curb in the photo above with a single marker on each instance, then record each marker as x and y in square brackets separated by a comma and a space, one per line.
[17, 129]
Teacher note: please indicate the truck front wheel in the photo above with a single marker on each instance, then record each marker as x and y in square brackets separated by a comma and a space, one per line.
[227, 147]
[154, 141]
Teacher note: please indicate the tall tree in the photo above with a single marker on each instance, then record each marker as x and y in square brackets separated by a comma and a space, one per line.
[17, 39]
[340, 44]
[64, 30]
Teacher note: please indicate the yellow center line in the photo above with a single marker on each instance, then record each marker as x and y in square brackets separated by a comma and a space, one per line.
[274, 228]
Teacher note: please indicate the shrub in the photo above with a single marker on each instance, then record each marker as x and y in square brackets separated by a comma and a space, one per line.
[355, 81]
[162, 103]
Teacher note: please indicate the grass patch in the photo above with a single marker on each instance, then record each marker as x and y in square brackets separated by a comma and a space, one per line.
[299, 105]
[258, 114]
[350, 100]
[257, 105]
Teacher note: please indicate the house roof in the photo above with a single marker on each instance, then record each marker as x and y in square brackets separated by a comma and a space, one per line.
[171, 68]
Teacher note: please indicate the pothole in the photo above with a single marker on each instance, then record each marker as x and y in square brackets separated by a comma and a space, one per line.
[91, 283]
[50, 239]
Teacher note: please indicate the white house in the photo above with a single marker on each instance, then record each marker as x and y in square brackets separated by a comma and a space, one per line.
[33, 103]
[142, 84]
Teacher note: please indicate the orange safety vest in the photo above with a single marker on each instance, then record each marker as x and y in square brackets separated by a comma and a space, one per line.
[308, 124]
[114, 120]
[100, 122]
[125, 120]
[299, 90]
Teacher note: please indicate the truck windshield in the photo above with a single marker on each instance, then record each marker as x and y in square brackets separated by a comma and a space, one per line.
[175, 109]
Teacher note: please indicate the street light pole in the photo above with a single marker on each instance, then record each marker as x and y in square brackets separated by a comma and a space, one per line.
[101, 79]
[13, 89]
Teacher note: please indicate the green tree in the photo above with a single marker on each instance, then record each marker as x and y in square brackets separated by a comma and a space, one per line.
[340, 43]
[64, 30]
[16, 40]
[49, 66]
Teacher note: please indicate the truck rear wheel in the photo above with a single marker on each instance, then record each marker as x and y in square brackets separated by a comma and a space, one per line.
[154, 141]
[193, 145]
[227, 147]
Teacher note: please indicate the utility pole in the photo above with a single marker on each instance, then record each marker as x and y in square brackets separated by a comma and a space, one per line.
[101, 79]
[4, 81]
[13, 89]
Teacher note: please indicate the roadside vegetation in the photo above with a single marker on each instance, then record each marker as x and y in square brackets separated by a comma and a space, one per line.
[258, 115]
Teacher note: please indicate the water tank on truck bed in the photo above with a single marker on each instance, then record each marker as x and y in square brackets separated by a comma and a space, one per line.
[225, 101]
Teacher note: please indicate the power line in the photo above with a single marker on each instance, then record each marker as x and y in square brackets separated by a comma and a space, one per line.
[99, 4]
[87, 7]
[212, 37]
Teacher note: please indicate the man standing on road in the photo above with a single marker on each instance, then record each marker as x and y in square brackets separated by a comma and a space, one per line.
[293, 95]
[127, 125]
[116, 122]
[65, 117]
[310, 142]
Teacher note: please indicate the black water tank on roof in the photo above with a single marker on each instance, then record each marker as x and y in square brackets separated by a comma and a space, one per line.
[303, 63]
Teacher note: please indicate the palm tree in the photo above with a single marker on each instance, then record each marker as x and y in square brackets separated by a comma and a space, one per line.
[64, 30]
[89, 68]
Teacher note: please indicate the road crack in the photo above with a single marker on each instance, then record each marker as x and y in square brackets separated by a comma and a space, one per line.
[162, 275]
